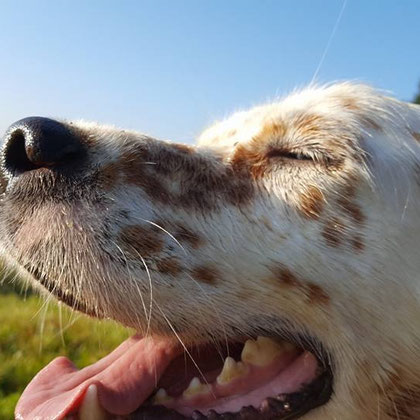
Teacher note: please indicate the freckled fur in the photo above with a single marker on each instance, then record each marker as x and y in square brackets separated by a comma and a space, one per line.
[328, 246]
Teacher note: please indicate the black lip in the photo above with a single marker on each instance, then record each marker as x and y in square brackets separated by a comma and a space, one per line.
[280, 407]
[65, 297]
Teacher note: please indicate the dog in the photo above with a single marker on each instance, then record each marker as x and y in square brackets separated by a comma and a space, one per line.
[271, 271]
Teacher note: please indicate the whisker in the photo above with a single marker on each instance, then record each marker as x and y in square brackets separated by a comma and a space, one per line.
[134, 281]
[184, 346]
[168, 233]
[218, 316]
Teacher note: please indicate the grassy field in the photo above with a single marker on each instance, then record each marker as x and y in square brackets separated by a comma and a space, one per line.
[32, 334]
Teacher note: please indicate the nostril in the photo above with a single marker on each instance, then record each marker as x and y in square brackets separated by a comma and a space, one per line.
[37, 142]
[15, 158]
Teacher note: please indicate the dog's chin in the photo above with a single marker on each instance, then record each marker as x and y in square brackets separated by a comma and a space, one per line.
[264, 376]
[64, 296]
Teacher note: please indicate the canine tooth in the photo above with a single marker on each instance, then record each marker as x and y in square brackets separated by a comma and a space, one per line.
[268, 342]
[161, 396]
[282, 345]
[250, 351]
[196, 387]
[231, 370]
[90, 408]
[261, 352]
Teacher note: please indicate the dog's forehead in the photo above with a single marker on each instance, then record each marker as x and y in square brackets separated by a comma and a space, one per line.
[338, 109]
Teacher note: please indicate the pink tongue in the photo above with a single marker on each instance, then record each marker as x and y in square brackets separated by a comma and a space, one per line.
[125, 379]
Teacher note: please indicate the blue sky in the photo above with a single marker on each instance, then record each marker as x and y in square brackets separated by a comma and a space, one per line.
[171, 67]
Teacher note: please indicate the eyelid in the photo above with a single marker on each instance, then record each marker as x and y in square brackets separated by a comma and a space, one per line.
[288, 154]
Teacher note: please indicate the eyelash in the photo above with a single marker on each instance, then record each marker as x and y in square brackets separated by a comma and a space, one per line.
[285, 154]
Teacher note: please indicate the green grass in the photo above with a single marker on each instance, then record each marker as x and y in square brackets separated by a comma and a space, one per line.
[32, 334]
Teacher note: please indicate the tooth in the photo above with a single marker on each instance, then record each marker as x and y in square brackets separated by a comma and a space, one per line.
[161, 396]
[90, 408]
[263, 351]
[250, 352]
[196, 387]
[231, 370]
[282, 346]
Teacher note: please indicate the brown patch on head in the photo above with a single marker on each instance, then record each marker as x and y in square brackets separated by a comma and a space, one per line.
[310, 125]
[205, 190]
[271, 130]
[358, 244]
[312, 202]
[347, 202]
[245, 160]
[139, 241]
[316, 294]
[286, 276]
[333, 232]
[205, 274]
[137, 170]
[313, 293]
[253, 158]
[352, 209]
[185, 235]
[416, 136]
[169, 266]
[173, 177]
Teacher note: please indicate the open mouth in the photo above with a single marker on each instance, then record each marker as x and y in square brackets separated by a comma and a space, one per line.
[156, 378]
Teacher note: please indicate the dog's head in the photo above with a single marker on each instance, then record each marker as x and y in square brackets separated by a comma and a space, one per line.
[295, 221]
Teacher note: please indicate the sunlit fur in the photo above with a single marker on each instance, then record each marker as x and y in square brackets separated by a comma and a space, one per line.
[310, 224]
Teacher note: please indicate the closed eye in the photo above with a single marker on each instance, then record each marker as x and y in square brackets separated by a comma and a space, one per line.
[287, 154]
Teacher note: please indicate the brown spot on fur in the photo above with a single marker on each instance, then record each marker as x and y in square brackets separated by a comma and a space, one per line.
[137, 240]
[184, 180]
[169, 266]
[309, 125]
[358, 244]
[205, 274]
[416, 136]
[347, 202]
[333, 232]
[272, 130]
[312, 202]
[249, 161]
[138, 172]
[252, 158]
[183, 234]
[316, 294]
[352, 209]
[285, 276]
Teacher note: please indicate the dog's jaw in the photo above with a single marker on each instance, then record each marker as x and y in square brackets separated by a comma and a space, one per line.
[297, 215]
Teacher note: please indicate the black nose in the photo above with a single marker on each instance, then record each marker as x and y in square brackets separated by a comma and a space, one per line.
[37, 142]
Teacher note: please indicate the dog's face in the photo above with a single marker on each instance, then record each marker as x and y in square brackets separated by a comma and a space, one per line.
[296, 221]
